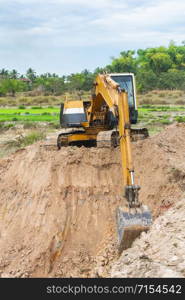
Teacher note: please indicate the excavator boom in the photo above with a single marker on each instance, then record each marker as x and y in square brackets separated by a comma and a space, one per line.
[133, 218]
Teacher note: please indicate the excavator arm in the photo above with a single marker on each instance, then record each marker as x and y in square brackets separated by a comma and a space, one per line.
[135, 217]
[116, 99]
[131, 190]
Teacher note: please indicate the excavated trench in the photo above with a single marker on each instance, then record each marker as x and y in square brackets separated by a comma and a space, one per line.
[57, 208]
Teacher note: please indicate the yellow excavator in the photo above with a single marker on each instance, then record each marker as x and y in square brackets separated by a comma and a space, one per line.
[105, 121]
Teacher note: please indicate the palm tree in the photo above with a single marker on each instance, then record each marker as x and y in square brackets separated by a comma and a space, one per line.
[4, 73]
[31, 74]
[14, 74]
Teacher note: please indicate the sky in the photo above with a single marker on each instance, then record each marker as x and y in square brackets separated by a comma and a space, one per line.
[68, 36]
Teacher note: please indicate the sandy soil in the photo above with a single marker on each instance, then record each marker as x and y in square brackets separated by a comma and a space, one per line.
[57, 208]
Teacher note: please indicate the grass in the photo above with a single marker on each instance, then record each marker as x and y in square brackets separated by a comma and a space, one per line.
[148, 114]
[20, 134]
[30, 125]
[29, 114]
[166, 121]
[5, 126]
[157, 109]
[162, 97]
[23, 141]
[149, 107]
[32, 110]
[156, 117]
[31, 101]
[32, 118]
[32, 138]
[35, 98]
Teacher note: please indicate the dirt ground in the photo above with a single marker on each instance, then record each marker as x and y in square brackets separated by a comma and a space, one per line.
[57, 208]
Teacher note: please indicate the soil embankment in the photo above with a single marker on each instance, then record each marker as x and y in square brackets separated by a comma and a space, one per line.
[57, 208]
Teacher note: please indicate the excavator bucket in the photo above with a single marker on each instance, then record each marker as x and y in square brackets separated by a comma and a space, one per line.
[130, 224]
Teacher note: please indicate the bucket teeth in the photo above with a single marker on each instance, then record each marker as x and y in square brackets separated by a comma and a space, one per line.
[130, 224]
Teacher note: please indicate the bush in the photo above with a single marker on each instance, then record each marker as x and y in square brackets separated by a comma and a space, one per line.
[9, 125]
[46, 114]
[21, 107]
[165, 121]
[180, 119]
[5, 126]
[36, 107]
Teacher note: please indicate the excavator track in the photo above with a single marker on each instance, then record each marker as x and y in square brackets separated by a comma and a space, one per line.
[109, 138]
[139, 134]
[62, 137]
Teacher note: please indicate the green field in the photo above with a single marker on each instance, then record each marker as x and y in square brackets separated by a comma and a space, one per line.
[37, 121]
[148, 114]
[35, 114]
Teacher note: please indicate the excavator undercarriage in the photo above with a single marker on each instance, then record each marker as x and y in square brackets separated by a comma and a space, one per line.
[109, 138]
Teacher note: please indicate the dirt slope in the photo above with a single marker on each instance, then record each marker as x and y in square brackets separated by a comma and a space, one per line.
[57, 208]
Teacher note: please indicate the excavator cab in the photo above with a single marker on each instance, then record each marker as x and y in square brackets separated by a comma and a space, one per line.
[126, 82]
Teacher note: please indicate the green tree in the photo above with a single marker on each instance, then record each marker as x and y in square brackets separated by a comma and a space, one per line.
[54, 85]
[31, 74]
[14, 74]
[88, 79]
[12, 86]
[75, 81]
[174, 79]
[4, 73]
[146, 80]
[160, 62]
[125, 63]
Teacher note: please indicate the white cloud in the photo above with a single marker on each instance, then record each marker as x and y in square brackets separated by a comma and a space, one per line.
[94, 3]
[160, 13]
[107, 23]
[48, 25]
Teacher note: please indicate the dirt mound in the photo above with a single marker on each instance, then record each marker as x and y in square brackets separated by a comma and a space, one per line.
[57, 208]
